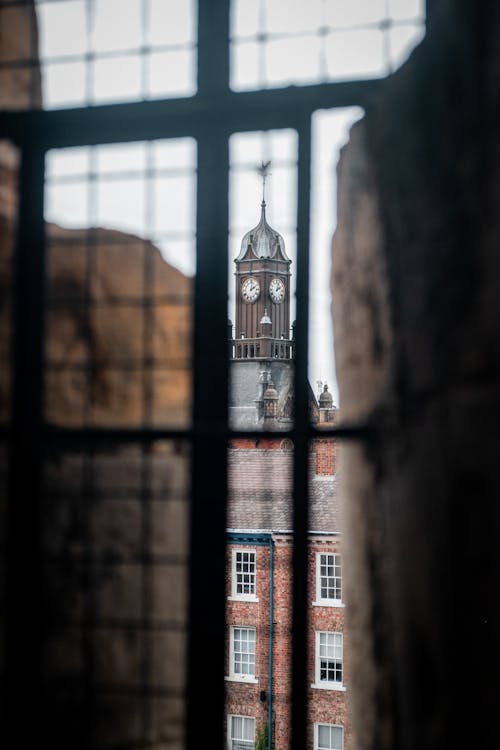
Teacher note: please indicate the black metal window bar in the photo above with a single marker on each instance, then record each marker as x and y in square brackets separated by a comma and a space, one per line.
[210, 117]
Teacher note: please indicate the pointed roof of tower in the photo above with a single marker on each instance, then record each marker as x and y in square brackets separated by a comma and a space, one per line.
[263, 241]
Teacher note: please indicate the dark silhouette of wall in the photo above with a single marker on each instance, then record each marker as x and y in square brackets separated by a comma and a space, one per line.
[417, 318]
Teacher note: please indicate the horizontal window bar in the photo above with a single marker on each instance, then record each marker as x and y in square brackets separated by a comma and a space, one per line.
[253, 110]
[361, 431]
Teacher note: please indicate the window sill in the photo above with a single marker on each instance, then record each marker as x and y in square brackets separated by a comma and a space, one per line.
[241, 678]
[328, 686]
[328, 603]
[243, 598]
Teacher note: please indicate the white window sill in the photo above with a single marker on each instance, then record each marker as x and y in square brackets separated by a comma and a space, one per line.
[329, 686]
[328, 603]
[242, 678]
[242, 598]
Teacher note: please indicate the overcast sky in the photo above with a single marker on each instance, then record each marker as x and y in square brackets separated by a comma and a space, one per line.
[275, 43]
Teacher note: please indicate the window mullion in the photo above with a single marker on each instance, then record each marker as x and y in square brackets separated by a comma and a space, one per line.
[209, 488]
[23, 635]
[301, 452]
[210, 385]
[213, 47]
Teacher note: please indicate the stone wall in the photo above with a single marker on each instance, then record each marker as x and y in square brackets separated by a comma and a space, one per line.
[115, 538]
[417, 319]
[20, 88]
[115, 331]
[20, 79]
[103, 325]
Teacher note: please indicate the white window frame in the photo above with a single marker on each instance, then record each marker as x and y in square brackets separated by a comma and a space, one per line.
[316, 735]
[328, 684]
[237, 676]
[320, 601]
[235, 595]
[230, 737]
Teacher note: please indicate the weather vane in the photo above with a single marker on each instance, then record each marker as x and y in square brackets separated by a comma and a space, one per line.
[264, 172]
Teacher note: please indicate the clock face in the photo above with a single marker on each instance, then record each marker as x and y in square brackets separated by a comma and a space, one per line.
[250, 290]
[277, 290]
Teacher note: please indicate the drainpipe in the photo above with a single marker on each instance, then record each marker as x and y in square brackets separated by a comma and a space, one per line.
[271, 639]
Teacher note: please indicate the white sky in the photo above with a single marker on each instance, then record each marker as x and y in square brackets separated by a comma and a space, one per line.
[351, 43]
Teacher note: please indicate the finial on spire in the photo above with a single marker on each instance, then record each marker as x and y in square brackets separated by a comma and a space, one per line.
[264, 172]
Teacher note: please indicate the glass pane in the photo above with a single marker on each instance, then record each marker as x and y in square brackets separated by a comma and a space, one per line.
[115, 79]
[260, 519]
[330, 131]
[337, 735]
[326, 615]
[115, 25]
[114, 586]
[79, 52]
[249, 729]
[118, 343]
[279, 44]
[260, 530]
[237, 727]
[20, 84]
[324, 736]
[262, 284]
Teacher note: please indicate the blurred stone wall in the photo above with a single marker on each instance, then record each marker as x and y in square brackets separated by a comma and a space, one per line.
[20, 84]
[112, 336]
[416, 290]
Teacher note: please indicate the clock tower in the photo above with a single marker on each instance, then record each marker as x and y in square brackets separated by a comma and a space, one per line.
[260, 345]
[262, 294]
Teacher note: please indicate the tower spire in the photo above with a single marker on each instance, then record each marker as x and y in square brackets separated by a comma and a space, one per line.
[264, 172]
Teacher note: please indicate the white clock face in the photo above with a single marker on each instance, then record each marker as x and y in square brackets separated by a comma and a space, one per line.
[250, 290]
[277, 290]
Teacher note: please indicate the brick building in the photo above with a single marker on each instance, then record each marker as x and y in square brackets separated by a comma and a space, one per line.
[260, 540]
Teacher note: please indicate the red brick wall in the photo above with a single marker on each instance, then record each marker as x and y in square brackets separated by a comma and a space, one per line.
[325, 706]
[324, 452]
[282, 642]
[244, 698]
[261, 443]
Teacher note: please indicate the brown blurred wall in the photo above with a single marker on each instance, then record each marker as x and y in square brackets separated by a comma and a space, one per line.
[416, 303]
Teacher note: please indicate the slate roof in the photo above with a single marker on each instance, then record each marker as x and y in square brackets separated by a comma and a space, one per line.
[244, 390]
[260, 494]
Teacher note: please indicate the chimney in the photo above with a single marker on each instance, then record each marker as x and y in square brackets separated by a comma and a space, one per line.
[270, 404]
[326, 406]
[324, 452]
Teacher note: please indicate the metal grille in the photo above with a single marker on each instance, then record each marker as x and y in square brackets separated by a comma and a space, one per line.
[210, 117]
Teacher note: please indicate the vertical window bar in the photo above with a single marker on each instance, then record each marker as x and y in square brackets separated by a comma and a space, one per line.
[213, 47]
[300, 488]
[210, 381]
[430, 8]
[208, 514]
[23, 595]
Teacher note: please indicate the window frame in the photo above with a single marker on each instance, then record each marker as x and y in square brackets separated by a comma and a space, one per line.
[235, 596]
[328, 684]
[319, 724]
[230, 737]
[237, 676]
[320, 601]
[210, 116]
